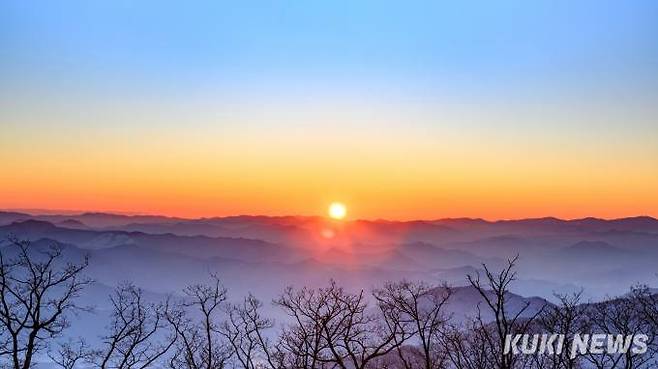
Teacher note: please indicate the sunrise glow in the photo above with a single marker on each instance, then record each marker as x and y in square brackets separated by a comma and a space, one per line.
[337, 210]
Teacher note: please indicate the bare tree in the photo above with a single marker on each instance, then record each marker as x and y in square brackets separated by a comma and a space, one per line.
[494, 291]
[467, 346]
[200, 346]
[245, 331]
[568, 317]
[621, 316]
[648, 303]
[301, 345]
[418, 309]
[37, 291]
[333, 328]
[138, 335]
[70, 353]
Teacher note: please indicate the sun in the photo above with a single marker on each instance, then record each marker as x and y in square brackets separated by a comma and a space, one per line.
[337, 210]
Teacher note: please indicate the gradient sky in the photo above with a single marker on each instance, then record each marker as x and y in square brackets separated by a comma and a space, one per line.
[399, 109]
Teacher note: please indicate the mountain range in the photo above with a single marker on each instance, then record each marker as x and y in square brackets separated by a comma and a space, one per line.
[264, 254]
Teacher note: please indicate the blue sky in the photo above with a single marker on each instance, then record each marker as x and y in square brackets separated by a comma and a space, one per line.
[419, 45]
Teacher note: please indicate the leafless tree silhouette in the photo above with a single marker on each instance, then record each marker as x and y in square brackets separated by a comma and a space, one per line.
[620, 316]
[200, 345]
[489, 338]
[37, 292]
[648, 304]
[333, 328]
[568, 317]
[245, 330]
[138, 332]
[467, 346]
[417, 309]
[70, 353]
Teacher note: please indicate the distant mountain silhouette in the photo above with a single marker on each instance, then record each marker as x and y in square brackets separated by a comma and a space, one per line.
[464, 302]
[199, 246]
[592, 248]
[72, 223]
[263, 253]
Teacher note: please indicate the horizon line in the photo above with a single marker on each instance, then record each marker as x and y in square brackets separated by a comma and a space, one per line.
[78, 212]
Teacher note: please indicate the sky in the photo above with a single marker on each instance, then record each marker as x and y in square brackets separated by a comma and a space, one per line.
[401, 110]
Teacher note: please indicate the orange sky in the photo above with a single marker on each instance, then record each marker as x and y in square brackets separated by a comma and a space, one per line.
[202, 168]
